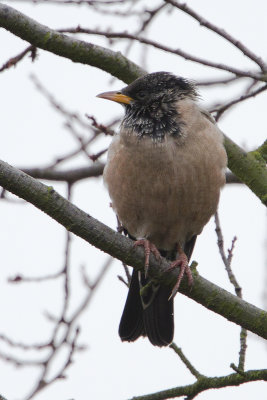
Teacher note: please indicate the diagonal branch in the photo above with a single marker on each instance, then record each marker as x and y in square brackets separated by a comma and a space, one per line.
[224, 107]
[99, 235]
[178, 52]
[185, 360]
[76, 50]
[87, 53]
[205, 383]
[221, 32]
[250, 168]
[12, 62]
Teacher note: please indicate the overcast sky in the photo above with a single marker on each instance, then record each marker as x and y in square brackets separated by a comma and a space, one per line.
[33, 134]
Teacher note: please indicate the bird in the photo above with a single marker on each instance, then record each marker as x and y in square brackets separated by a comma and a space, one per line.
[164, 172]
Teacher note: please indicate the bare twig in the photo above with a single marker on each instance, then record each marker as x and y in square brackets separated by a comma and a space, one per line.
[74, 2]
[95, 157]
[179, 52]
[21, 345]
[79, 138]
[102, 128]
[56, 105]
[221, 32]
[64, 323]
[123, 231]
[12, 62]
[227, 263]
[71, 116]
[92, 286]
[219, 110]
[30, 279]
[185, 360]
[67, 175]
[221, 81]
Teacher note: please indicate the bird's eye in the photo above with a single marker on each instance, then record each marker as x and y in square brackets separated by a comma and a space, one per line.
[141, 95]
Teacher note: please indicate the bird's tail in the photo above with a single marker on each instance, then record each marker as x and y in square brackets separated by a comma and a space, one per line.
[147, 314]
[148, 310]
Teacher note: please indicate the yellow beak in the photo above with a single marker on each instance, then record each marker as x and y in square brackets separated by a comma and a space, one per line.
[115, 96]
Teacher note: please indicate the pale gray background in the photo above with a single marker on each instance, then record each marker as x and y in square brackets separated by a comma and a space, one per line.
[32, 134]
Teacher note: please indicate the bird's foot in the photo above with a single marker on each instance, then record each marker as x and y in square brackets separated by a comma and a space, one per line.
[148, 248]
[182, 262]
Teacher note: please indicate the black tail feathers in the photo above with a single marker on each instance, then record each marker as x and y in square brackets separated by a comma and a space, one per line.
[151, 315]
[148, 310]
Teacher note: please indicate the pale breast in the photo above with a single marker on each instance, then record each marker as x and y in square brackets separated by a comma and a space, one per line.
[166, 192]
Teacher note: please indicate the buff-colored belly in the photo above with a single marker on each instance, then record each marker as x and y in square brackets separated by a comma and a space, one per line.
[164, 192]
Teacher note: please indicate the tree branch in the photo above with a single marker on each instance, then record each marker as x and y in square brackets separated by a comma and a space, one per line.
[70, 176]
[250, 168]
[178, 52]
[185, 360]
[221, 32]
[224, 107]
[99, 235]
[205, 383]
[76, 50]
[91, 171]
[12, 62]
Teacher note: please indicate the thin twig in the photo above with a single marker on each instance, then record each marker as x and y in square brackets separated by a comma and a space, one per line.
[59, 107]
[179, 52]
[67, 175]
[227, 263]
[221, 109]
[12, 62]
[102, 128]
[30, 279]
[185, 360]
[23, 346]
[221, 81]
[123, 231]
[221, 32]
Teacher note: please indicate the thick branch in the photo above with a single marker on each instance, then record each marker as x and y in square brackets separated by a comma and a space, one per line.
[76, 50]
[248, 168]
[99, 235]
[205, 383]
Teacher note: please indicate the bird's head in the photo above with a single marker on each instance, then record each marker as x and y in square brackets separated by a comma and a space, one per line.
[153, 88]
[151, 103]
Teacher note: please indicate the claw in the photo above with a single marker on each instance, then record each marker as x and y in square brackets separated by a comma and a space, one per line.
[148, 248]
[182, 262]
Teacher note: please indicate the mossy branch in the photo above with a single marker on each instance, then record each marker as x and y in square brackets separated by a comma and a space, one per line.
[76, 50]
[204, 383]
[99, 235]
[250, 168]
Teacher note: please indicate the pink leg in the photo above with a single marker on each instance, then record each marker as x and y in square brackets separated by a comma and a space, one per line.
[148, 248]
[182, 262]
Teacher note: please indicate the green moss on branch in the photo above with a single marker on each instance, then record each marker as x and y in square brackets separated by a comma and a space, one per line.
[250, 168]
[76, 50]
[118, 246]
